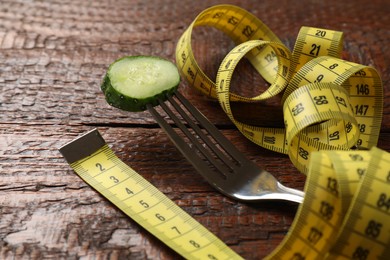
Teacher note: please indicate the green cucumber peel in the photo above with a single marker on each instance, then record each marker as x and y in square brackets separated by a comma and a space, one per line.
[133, 82]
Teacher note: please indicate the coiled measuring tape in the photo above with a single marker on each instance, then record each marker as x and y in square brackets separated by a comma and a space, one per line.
[346, 210]
[329, 105]
[347, 97]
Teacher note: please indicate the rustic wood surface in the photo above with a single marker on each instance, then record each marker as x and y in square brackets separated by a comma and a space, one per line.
[53, 55]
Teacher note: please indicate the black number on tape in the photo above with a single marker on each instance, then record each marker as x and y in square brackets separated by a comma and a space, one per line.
[192, 242]
[348, 127]
[100, 167]
[218, 15]
[183, 57]
[144, 204]
[270, 57]
[248, 31]
[383, 202]
[356, 157]
[297, 256]
[334, 136]
[320, 33]
[341, 101]
[320, 100]
[361, 172]
[373, 229]
[269, 139]
[361, 73]
[332, 186]
[360, 253]
[362, 128]
[233, 20]
[314, 235]
[282, 53]
[176, 229]
[315, 49]
[297, 109]
[212, 257]
[303, 153]
[326, 210]
[114, 179]
[361, 110]
[319, 78]
[362, 89]
[191, 73]
[159, 217]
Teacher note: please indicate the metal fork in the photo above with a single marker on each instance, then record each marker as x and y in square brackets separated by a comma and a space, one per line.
[215, 157]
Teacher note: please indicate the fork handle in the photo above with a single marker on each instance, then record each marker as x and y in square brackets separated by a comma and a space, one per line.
[281, 193]
[290, 194]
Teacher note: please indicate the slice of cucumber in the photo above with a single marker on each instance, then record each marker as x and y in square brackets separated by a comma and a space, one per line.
[132, 82]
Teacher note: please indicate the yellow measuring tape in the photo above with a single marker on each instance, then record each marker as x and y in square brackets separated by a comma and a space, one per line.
[329, 105]
[97, 165]
[346, 210]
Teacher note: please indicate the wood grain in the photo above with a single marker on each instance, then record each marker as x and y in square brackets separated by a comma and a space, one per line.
[53, 55]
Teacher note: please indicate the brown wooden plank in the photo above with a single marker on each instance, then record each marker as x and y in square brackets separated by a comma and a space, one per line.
[46, 208]
[53, 55]
[54, 75]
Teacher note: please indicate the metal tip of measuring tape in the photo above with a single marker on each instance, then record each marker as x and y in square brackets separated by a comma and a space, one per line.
[82, 146]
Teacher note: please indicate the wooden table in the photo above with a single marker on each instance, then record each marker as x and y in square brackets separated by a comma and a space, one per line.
[53, 55]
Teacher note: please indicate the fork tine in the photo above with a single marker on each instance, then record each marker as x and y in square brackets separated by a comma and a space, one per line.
[200, 165]
[206, 153]
[206, 138]
[212, 129]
